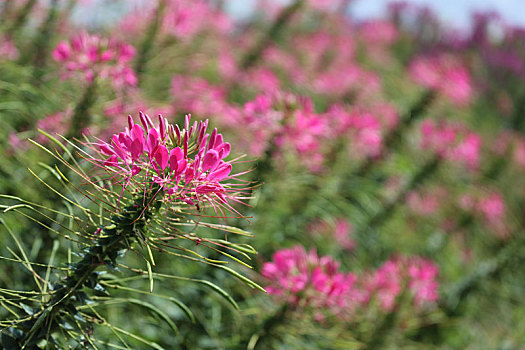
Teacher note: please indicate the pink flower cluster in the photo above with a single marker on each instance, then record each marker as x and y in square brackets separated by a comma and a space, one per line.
[444, 74]
[415, 275]
[261, 122]
[363, 130]
[95, 57]
[453, 142]
[197, 96]
[186, 164]
[490, 207]
[304, 130]
[304, 279]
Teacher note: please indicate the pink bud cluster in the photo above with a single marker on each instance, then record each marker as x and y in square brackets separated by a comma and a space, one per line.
[96, 57]
[453, 142]
[304, 279]
[444, 74]
[187, 164]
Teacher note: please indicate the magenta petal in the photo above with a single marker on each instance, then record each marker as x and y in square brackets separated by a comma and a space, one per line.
[124, 140]
[181, 166]
[221, 172]
[111, 161]
[224, 150]
[210, 160]
[189, 175]
[218, 142]
[136, 149]
[106, 149]
[175, 156]
[161, 156]
[119, 150]
[137, 133]
[153, 140]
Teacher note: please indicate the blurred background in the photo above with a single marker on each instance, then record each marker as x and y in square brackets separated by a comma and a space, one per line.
[382, 146]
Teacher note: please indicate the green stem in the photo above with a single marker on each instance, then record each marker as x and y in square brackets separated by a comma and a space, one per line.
[147, 43]
[67, 294]
[388, 210]
[266, 327]
[81, 114]
[42, 42]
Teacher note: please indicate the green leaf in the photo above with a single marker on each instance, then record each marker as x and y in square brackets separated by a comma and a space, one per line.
[157, 311]
[150, 276]
[184, 308]
[245, 279]
[220, 291]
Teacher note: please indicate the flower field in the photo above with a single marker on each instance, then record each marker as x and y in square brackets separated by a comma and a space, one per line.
[179, 178]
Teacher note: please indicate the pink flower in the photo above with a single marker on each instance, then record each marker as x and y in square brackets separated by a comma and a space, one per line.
[363, 131]
[445, 75]
[186, 164]
[339, 230]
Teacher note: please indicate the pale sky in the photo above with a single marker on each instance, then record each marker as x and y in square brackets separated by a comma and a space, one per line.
[453, 12]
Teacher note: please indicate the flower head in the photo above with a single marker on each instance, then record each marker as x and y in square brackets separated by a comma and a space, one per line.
[185, 164]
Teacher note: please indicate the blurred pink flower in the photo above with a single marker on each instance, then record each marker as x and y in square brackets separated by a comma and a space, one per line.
[453, 142]
[95, 57]
[197, 96]
[304, 279]
[415, 274]
[444, 74]
[8, 49]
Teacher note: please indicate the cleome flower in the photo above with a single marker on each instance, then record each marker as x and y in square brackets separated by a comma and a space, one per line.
[185, 165]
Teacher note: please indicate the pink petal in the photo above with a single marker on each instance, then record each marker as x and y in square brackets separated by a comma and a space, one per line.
[161, 156]
[221, 172]
[210, 160]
